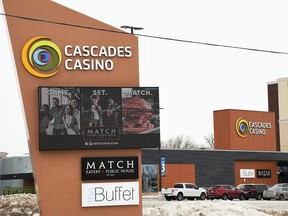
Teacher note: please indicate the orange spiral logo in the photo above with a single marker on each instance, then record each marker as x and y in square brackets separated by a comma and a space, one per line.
[41, 57]
[242, 127]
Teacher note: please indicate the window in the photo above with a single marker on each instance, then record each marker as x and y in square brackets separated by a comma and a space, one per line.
[261, 187]
[178, 186]
[149, 178]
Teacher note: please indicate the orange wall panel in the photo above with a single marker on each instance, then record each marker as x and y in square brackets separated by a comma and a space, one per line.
[270, 165]
[178, 173]
[222, 130]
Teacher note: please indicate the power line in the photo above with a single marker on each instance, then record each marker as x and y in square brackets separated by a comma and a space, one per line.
[144, 35]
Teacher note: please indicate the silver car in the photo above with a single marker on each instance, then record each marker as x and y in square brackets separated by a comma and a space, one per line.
[278, 191]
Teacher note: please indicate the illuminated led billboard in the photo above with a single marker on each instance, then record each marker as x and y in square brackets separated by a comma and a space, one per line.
[98, 117]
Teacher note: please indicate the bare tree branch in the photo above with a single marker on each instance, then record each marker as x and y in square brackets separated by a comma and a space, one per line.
[179, 142]
[209, 139]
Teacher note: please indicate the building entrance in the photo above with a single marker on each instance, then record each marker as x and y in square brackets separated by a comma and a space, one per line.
[282, 171]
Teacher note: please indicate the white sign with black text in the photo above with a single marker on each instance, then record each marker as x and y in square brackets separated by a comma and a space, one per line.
[110, 194]
[247, 173]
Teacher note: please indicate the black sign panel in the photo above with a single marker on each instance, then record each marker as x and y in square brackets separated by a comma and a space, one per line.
[74, 118]
[263, 173]
[109, 168]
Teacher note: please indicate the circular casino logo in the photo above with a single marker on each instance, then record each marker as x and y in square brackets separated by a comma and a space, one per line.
[242, 127]
[41, 57]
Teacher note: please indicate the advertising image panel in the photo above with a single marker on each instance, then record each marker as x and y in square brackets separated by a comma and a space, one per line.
[98, 117]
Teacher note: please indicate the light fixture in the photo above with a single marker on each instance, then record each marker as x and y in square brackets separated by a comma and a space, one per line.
[132, 28]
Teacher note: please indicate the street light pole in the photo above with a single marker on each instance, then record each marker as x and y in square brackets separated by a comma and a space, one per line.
[132, 28]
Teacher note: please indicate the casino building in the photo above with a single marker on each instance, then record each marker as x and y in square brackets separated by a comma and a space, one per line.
[250, 147]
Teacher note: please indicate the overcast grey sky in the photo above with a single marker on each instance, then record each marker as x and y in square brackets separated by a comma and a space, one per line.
[193, 79]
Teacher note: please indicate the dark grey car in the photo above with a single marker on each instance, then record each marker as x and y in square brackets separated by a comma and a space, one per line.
[253, 190]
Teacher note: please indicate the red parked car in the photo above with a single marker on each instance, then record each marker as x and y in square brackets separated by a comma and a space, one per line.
[224, 192]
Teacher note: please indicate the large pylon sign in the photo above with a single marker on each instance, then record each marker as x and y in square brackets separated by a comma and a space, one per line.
[49, 54]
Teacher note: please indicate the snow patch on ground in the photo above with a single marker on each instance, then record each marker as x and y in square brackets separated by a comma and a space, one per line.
[26, 204]
[211, 208]
[19, 204]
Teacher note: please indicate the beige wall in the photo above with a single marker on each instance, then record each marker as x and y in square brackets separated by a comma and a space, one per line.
[283, 113]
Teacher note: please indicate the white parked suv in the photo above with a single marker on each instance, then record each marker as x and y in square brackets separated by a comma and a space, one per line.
[181, 191]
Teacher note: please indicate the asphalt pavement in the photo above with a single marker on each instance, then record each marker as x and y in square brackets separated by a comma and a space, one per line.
[155, 200]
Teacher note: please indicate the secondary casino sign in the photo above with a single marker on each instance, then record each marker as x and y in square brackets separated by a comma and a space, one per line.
[245, 127]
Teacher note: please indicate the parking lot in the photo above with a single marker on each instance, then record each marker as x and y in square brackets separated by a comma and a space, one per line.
[156, 201]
